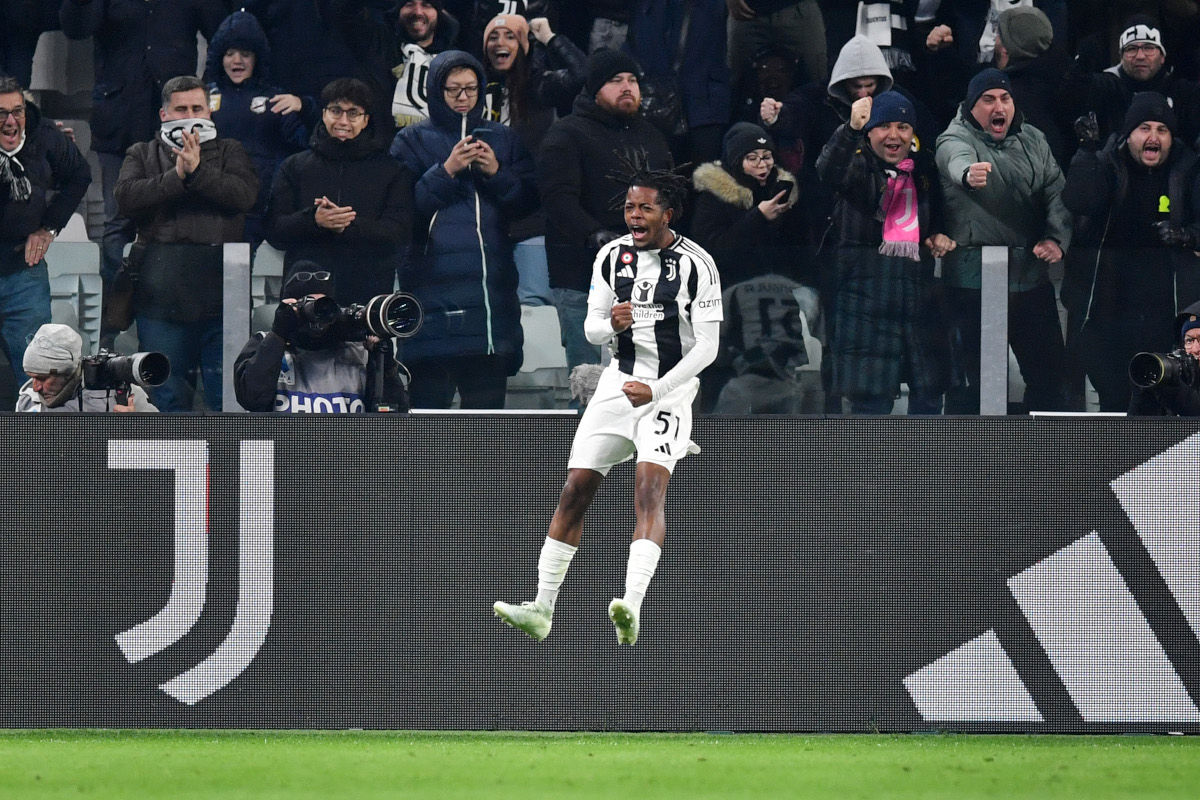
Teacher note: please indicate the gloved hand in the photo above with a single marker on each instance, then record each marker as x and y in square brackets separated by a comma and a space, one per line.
[1174, 235]
[286, 323]
[1087, 130]
[602, 237]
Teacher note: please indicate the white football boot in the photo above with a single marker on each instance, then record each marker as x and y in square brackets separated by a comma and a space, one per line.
[625, 619]
[531, 617]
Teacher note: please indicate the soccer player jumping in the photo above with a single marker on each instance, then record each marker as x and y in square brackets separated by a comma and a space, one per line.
[655, 299]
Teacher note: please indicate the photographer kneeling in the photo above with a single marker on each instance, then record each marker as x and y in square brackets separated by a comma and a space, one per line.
[1168, 384]
[316, 359]
[55, 365]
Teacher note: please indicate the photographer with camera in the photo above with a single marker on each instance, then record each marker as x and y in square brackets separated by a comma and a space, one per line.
[319, 358]
[1168, 384]
[60, 379]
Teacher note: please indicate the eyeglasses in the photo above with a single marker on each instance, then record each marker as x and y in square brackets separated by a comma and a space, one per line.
[16, 113]
[461, 91]
[305, 277]
[352, 114]
[754, 159]
[1133, 49]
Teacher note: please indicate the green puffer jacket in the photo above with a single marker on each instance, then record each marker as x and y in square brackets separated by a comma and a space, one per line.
[1020, 206]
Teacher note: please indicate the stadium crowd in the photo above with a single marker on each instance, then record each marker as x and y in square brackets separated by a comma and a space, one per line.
[848, 161]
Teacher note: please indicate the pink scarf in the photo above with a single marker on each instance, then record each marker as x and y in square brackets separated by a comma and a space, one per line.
[901, 224]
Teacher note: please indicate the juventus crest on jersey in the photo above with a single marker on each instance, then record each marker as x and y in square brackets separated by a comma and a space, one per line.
[670, 289]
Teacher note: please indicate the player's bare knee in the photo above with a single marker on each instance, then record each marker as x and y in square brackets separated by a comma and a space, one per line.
[578, 491]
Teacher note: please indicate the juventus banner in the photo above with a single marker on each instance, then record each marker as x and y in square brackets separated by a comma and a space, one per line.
[841, 575]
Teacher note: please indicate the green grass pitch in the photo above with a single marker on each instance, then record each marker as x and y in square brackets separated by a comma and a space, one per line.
[273, 764]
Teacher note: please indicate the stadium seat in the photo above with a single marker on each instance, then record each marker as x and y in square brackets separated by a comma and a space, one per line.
[542, 382]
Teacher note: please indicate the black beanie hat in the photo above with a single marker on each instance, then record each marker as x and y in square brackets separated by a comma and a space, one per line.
[605, 63]
[294, 287]
[743, 138]
[1149, 107]
[986, 80]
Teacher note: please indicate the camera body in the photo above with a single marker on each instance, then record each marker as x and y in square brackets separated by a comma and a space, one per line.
[388, 316]
[1151, 370]
[111, 372]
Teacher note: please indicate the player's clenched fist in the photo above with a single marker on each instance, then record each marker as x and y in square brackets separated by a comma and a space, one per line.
[860, 112]
[622, 316]
[977, 174]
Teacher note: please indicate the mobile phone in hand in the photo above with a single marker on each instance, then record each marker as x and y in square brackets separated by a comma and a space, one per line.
[785, 187]
[484, 135]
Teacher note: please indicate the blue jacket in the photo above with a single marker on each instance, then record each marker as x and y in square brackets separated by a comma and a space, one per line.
[243, 111]
[461, 266]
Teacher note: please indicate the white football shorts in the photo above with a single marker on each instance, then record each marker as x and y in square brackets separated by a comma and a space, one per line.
[612, 430]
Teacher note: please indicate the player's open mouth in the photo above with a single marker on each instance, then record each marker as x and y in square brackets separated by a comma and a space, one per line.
[638, 232]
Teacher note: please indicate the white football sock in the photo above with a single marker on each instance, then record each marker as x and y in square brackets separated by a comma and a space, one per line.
[643, 560]
[552, 569]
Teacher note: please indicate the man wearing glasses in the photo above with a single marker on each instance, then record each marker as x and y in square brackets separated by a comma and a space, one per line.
[343, 203]
[35, 162]
[473, 179]
[1142, 69]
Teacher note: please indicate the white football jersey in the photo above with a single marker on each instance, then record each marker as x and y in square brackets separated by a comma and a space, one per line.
[670, 290]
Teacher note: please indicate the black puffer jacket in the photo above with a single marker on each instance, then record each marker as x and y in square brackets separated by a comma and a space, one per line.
[354, 173]
[139, 46]
[52, 164]
[728, 224]
[1096, 192]
[578, 154]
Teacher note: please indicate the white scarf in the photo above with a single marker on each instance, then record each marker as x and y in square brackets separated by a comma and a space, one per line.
[171, 131]
[13, 173]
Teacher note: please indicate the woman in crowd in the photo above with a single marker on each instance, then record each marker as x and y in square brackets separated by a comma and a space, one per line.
[742, 218]
[526, 82]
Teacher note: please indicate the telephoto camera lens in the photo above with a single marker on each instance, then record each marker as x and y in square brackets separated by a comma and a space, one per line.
[107, 371]
[396, 315]
[149, 369]
[1148, 370]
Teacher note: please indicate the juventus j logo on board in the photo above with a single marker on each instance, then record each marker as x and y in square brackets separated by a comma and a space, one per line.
[256, 549]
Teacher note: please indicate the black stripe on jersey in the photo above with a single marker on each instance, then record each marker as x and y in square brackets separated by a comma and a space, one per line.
[626, 266]
[666, 294]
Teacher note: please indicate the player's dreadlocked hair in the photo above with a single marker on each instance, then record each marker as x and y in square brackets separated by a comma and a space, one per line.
[633, 169]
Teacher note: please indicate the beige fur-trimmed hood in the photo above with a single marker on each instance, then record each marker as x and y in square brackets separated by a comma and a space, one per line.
[711, 177]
